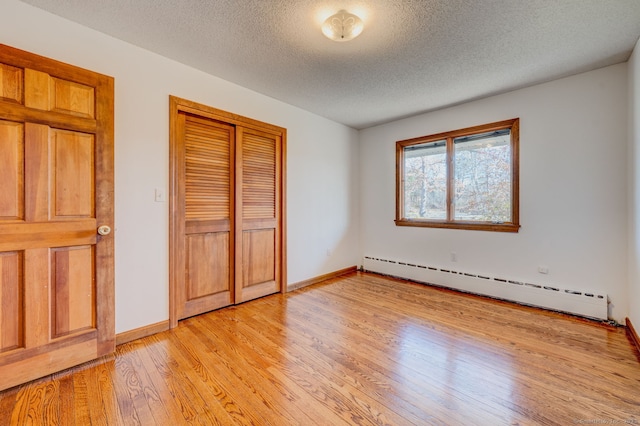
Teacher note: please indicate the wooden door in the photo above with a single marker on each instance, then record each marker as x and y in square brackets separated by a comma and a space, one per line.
[204, 159]
[227, 219]
[56, 189]
[257, 214]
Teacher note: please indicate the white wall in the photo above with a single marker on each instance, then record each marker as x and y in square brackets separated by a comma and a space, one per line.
[634, 187]
[322, 168]
[573, 190]
[573, 174]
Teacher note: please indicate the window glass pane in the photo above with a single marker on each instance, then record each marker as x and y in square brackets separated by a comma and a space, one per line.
[482, 168]
[425, 181]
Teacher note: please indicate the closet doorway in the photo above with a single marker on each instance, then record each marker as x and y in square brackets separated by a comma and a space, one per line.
[227, 209]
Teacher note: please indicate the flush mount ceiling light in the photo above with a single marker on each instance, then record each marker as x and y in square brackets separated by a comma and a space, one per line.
[343, 26]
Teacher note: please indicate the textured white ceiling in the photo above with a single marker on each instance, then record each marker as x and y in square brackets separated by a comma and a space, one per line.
[413, 55]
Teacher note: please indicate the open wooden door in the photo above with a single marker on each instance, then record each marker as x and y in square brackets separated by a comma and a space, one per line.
[227, 217]
[56, 191]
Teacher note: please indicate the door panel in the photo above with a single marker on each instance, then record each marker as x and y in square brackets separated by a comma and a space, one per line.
[208, 269]
[72, 290]
[69, 97]
[208, 272]
[258, 176]
[207, 170]
[12, 170]
[206, 281]
[258, 254]
[72, 174]
[11, 308]
[48, 93]
[258, 199]
[11, 83]
[56, 273]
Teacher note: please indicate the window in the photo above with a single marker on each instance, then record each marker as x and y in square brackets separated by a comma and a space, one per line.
[464, 179]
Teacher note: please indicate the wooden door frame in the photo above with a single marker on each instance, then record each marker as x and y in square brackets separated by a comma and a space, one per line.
[176, 214]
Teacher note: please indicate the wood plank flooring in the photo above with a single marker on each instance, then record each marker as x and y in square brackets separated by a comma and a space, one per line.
[360, 349]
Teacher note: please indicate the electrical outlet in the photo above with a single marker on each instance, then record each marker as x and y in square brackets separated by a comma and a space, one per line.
[543, 269]
[453, 256]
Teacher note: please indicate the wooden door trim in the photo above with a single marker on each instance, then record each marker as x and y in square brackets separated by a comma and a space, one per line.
[222, 116]
[176, 214]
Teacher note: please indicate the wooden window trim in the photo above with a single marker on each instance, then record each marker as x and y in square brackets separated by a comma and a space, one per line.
[450, 223]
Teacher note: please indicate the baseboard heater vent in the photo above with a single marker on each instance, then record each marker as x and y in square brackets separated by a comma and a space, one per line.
[579, 302]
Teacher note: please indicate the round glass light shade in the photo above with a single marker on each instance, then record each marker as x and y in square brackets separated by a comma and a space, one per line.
[343, 26]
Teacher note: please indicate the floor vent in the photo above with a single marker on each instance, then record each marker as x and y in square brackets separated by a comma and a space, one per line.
[579, 302]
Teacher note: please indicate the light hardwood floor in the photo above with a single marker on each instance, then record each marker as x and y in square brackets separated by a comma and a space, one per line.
[359, 349]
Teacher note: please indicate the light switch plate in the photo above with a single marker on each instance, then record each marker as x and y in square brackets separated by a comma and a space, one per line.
[160, 196]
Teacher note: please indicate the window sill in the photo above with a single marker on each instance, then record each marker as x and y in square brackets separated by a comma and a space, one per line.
[472, 226]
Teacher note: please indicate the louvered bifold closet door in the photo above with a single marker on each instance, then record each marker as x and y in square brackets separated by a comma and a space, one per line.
[207, 198]
[258, 214]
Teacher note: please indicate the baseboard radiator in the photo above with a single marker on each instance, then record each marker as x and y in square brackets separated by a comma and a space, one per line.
[579, 302]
